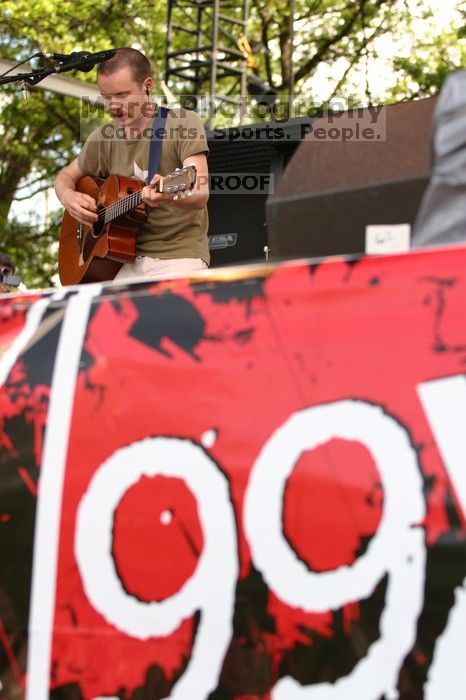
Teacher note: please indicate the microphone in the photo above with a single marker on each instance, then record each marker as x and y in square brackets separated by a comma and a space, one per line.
[80, 60]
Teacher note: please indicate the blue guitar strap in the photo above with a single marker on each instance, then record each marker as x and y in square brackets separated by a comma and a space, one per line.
[155, 148]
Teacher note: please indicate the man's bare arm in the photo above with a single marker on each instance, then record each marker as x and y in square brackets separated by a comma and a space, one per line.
[81, 206]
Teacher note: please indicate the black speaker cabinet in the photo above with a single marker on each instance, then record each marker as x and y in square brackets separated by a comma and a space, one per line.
[342, 179]
[245, 165]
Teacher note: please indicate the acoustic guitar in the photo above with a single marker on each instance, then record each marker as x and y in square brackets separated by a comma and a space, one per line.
[96, 253]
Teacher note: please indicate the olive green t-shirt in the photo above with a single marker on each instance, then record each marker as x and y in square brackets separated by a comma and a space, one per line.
[169, 232]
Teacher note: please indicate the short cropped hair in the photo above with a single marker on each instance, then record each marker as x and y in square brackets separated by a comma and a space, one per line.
[126, 57]
[6, 261]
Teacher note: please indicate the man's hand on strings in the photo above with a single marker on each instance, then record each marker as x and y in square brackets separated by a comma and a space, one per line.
[81, 206]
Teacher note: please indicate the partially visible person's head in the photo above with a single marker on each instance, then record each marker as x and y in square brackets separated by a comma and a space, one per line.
[7, 265]
[125, 83]
[7, 269]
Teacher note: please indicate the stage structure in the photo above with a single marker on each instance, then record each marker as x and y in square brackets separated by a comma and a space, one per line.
[213, 60]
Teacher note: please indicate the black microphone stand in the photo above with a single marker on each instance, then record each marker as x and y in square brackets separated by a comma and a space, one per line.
[38, 74]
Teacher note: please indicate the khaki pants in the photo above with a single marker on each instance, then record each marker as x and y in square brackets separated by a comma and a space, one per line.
[159, 269]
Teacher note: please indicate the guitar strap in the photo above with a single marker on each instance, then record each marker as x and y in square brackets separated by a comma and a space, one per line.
[155, 148]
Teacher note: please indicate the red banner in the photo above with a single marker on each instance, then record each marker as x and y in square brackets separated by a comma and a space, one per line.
[252, 485]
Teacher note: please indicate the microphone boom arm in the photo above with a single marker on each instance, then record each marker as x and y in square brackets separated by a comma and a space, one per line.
[81, 60]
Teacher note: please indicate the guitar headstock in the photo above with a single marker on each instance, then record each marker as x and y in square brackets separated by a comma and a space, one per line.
[180, 180]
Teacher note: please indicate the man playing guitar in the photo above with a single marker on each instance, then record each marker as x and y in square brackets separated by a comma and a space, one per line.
[173, 239]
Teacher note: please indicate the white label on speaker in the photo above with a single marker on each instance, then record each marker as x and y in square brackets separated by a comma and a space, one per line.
[387, 238]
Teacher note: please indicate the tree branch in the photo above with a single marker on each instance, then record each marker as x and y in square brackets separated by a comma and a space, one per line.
[33, 194]
[345, 30]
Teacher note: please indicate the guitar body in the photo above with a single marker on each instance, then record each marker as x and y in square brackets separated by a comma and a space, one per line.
[96, 253]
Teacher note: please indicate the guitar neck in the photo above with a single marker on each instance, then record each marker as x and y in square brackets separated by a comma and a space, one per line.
[178, 181]
[125, 205]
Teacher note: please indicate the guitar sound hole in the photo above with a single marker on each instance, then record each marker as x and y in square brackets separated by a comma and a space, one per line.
[98, 226]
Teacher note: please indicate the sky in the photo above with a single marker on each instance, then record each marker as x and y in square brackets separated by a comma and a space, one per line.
[379, 71]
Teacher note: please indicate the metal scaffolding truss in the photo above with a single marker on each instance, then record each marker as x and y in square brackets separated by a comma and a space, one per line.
[206, 52]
